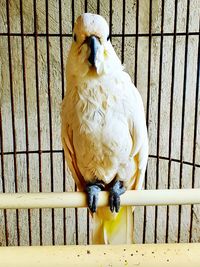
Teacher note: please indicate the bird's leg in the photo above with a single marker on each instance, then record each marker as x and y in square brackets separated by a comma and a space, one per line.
[116, 190]
[92, 190]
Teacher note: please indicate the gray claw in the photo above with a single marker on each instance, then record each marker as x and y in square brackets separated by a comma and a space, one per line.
[115, 192]
[93, 194]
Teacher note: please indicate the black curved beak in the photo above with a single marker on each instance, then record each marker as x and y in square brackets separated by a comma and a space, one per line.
[94, 43]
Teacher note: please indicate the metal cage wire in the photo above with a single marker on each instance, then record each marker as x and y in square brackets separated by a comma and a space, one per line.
[60, 36]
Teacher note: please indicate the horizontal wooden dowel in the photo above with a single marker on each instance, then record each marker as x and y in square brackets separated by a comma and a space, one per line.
[78, 199]
[146, 255]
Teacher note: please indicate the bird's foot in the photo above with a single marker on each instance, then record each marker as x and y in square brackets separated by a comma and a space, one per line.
[116, 190]
[92, 190]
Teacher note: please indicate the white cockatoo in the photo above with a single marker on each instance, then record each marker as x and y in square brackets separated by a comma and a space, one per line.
[104, 132]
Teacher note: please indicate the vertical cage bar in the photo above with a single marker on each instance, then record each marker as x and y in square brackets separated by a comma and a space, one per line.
[73, 14]
[3, 177]
[88, 218]
[110, 22]
[38, 110]
[123, 29]
[76, 221]
[75, 187]
[86, 6]
[195, 135]
[183, 114]
[26, 115]
[158, 116]
[13, 114]
[171, 114]
[98, 6]
[88, 227]
[148, 101]
[50, 114]
[136, 41]
[63, 92]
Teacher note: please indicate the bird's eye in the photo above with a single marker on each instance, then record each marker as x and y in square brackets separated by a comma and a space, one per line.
[74, 37]
[108, 38]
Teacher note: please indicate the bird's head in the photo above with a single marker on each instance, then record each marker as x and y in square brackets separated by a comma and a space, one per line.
[91, 47]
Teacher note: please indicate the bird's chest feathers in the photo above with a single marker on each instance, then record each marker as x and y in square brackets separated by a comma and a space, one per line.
[95, 106]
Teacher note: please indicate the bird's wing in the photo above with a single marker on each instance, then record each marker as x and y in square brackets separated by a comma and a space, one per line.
[138, 132]
[120, 229]
[67, 141]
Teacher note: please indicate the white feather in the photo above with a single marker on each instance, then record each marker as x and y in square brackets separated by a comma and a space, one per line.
[104, 132]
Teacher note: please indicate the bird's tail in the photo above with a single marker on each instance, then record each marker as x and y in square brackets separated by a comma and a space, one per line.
[113, 228]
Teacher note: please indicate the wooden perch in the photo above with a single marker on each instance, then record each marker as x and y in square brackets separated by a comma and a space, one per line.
[78, 199]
